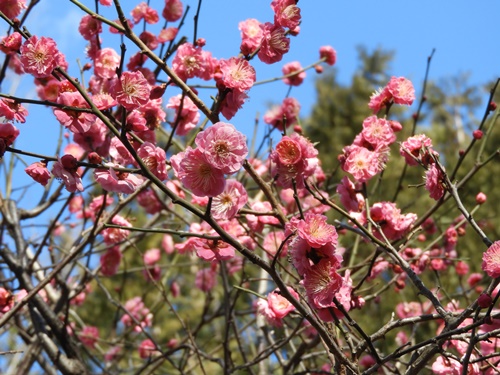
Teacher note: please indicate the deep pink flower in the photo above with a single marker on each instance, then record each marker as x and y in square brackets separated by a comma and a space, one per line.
[89, 27]
[116, 235]
[106, 61]
[392, 222]
[296, 79]
[132, 90]
[227, 204]
[89, 336]
[11, 44]
[185, 120]
[302, 254]
[284, 115]
[147, 349]
[68, 176]
[233, 101]
[110, 261]
[148, 200]
[329, 54]
[173, 10]
[206, 279]
[154, 158]
[276, 307]
[491, 260]
[237, 73]
[315, 230]
[351, 199]
[144, 12]
[224, 147]
[408, 309]
[197, 173]
[6, 300]
[286, 13]
[274, 43]
[168, 34]
[417, 148]
[12, 8]
[75, 121]
[434, 182]
[190, 61]
[117, 181]
[251, 35]
[12, 110]
[321, 282]
[38, 171]
[40, 56]
[139, 311]
[378, 132]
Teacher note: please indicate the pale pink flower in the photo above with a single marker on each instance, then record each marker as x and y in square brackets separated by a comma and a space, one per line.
[322, 282]
[89, 336]
[286, 13]
[256, 223]
[315, 230]
[197, 173]
[434, 182]
[402, 90]
[227, 204]
[13, 110]
[284, 115]
[224, 147]
[274, 43]
[12, 8]
[152, 256]
[173, 10]
[378, 132]
[185, 119]
[76, 204]
[206, 279]
[132, 90]
[408, 309]
[139, 311]
[116, 235]
[75, 121]
[40, 56]
[279, 304]
[329, 54]
[110, 261]
[68, 176]
[154, 158]
[119, 152]
[446, 366]
[90, 27]
[251, 35]
[380, 99]
[211, 250]
[168, 34]
[167, 243]
[295, 79]
[361, 163]
[106, 63]
[8, 134]
[273, 241]
[392, 222]
[106, 3]
[38, 171]
[114, 351]
[96, 139]
[491, 260]
[236, 73]
[117, 181]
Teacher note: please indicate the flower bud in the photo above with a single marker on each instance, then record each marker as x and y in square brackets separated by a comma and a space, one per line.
[480, 198]
[477, 134]
[484, 300]
[69, 162]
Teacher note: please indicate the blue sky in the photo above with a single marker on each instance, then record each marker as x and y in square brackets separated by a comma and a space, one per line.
[465, 38]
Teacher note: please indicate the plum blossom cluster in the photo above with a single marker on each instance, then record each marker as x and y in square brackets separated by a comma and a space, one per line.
[220, 151]
[399, 90]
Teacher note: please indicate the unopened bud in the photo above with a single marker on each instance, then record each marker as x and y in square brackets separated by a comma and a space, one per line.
[477, 134]
[318, 69]
[480, 198]
[69, 162]
[158, 91]
[95, 158]
[200, 42]
[492, 106]
[484, 300]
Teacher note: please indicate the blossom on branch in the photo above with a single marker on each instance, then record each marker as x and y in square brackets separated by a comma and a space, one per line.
[491, 260]
[40, 56]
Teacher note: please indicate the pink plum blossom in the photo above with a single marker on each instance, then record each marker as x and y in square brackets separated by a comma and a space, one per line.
[315, 230]
[197, 173]
[213, 250]
[185, 119]
[227, 204]
[154, 158]
[148, 200]
[321, 282]
[106, 63]
[132, 90]
[89, 27]
[114, 236]
[173, 10]
[139, 312]
[295, 79]
[147, 349]
[38, 171]
[360, 162]
[434, 182]
[274, 43]
[284, 115]
[417, 148]
[276, 307]
[40, 56]
[89, 336]
[236, 73]
[350, 197]
[110, 261]
[206, 279]
[491, 260]
[224, 147]
[286, 13]
[191, 61]
[251, 35]
[13, 110]
[75, 121]
[329, 54]
[12, 8]
[117, 181]
[69, 176]
[168, 34]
